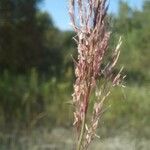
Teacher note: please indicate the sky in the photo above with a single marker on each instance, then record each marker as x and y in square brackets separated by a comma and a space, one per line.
[58, 9]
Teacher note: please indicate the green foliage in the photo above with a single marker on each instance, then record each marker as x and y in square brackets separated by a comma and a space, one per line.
[26, 100]
[129, 111]
[18, 29]
[29, 101]
[134, 26]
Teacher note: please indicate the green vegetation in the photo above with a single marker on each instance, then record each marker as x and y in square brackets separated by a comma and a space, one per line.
[36, 71]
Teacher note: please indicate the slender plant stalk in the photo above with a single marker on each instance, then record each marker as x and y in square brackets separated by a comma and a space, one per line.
[81, 136]
[81, 133]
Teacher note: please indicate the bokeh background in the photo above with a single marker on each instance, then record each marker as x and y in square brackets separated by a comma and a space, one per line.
[36, 77]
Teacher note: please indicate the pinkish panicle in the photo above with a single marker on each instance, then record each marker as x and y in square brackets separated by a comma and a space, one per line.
[89, 21]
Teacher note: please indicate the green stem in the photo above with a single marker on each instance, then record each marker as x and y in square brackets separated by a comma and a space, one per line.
[81, 133]
[79, 144]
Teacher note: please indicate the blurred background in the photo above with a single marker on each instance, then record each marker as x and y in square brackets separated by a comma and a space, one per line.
[36, 77]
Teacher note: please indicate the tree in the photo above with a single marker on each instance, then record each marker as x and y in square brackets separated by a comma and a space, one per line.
[21, 44]
[133, 26]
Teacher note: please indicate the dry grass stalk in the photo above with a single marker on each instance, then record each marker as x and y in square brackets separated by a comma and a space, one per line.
[89, 21]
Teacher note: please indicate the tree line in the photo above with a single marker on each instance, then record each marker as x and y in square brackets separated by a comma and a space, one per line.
[29, 39]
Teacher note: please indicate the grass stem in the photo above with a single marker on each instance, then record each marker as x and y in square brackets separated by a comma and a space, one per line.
[79, 145]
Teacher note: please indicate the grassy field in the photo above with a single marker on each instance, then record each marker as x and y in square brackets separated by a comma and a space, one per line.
[62, 139]
[125, 125]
